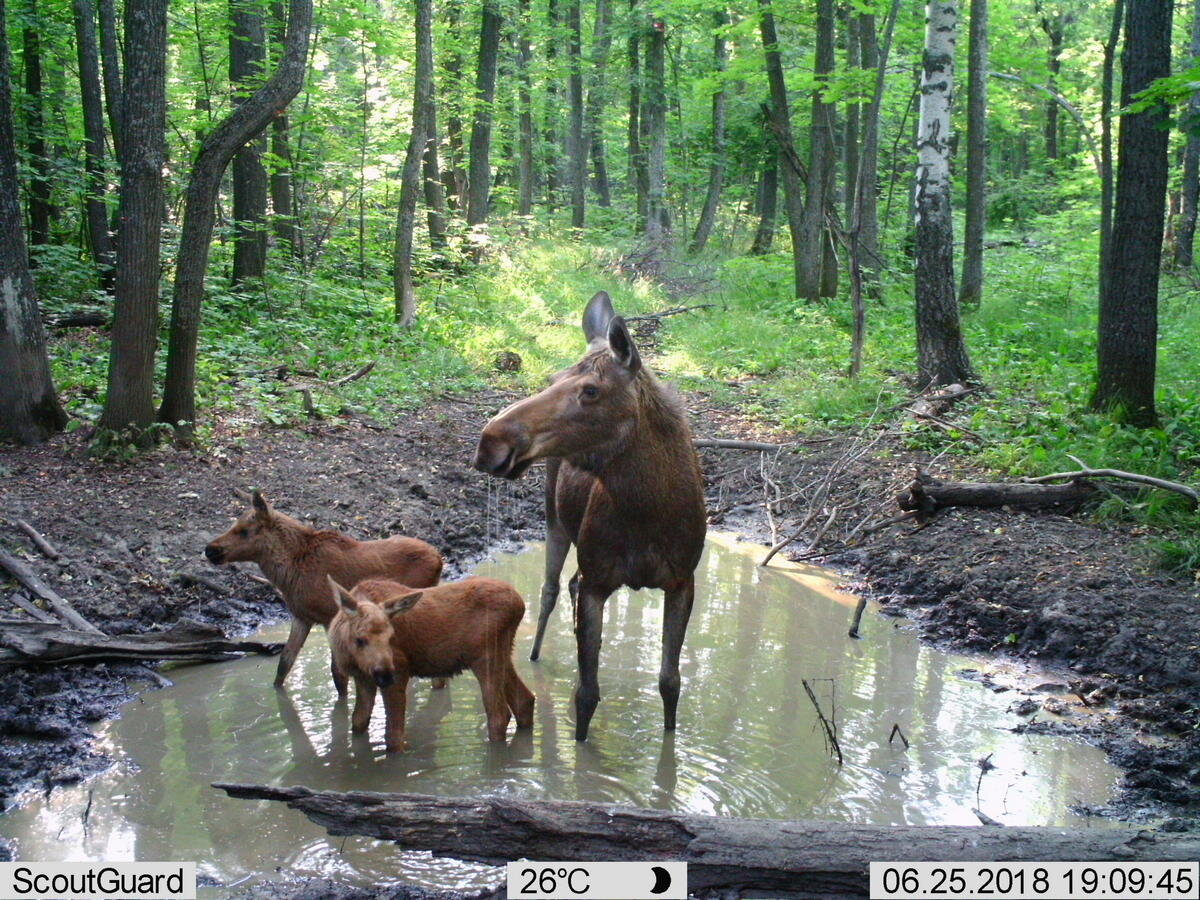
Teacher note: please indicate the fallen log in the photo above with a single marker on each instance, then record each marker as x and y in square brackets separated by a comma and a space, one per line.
[42, 642]
[61, 607]
[47, 549]
[763, 858]
[927, 495]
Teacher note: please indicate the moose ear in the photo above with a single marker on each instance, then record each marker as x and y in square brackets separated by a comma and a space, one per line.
[620, 345]
[348, 604]
[404, 604]
[241, 494]
[261, 506]
[596, 316]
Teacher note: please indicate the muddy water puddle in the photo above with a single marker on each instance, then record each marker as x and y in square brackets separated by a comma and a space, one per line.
[749, 742]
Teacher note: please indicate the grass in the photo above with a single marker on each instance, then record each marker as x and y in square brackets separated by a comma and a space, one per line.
[782, 360]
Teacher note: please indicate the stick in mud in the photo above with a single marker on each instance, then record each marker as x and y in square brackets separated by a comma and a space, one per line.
[831, 741]
[858, 613]
[26, 576]
[48, 550]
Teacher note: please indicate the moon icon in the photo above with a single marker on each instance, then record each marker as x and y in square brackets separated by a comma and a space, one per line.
[662, 880]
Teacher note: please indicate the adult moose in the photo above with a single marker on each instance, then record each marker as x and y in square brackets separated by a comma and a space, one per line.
[622, 484]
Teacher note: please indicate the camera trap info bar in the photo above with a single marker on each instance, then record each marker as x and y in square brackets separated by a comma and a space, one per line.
[597, 880]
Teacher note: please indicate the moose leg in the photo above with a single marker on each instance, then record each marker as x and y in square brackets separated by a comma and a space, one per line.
[395, 707]
[339, 677]
[677, 610]
[492, 684]
[589, 622]
[557, 545]
[364, 702]
[519, 697]
[296, 638]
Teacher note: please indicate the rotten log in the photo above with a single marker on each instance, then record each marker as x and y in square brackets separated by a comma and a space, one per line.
[61, 607]
[763, 858]
[927, 495]
[41, 642]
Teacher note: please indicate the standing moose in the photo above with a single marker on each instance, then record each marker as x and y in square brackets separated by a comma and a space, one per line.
[622, 484]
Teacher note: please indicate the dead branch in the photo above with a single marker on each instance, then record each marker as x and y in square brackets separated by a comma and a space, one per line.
[727, 444]
[831, 740]
[858, 614]
[61, 607]
[754, 857]
[897, 733]
[1086, 471]
[32, 609]
[674, 311]
[50, 643]
[355, 375]
[48, 550]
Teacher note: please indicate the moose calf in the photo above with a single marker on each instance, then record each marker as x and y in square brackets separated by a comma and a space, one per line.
[385, 633]
[298, 560]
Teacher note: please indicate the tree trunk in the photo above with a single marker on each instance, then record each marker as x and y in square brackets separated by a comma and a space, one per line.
[1129, 306]
[247, 58]
[658, 220]
[110, 56]
[781, 126]
[725, 856]
[851, 142]
[551, 144]
[29, 408]
[96, 181]
[867, 214]
[130, 399]
[1190, 190]
[1053, 26]
[1106, 148]
[283, 204]
[410, 186]
[525, 169]
[479, 167]
[941, 349]
[716, 171]
[970, 292]
[768, 193]
[454, 176]
[597, 99]
[216, 150]
[40, 210]
[435, 192]
[638, 176]
[813, 233]
[577, 148]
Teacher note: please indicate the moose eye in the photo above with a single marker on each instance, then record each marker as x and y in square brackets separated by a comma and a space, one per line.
[242, 532]
[360, 642]
[589, 392]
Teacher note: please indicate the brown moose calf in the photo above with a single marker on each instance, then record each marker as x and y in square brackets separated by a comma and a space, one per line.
[385, 633]
[298, 560]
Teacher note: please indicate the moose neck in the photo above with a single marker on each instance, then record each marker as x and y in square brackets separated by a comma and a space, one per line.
[656, 456]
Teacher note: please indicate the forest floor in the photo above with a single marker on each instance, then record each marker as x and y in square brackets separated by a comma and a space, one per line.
[1064, 591]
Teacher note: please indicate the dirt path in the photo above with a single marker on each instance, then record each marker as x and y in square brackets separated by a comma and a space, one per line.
[1035, 586]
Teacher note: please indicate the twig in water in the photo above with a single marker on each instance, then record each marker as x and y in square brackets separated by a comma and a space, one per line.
[831, 741]
[896, 732]
[986, 819]
[985, 765]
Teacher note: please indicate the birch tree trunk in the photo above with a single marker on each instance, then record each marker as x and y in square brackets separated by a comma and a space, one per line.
[130, 398]
[29, 408]
[970, 292]
[716, 171]
[1127, 349]
[941, 349]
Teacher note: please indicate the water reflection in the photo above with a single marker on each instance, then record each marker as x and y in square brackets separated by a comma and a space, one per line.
[748, 743]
